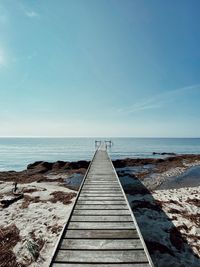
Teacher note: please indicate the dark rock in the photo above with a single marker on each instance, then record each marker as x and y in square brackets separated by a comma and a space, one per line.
[160, 160]
[43, 167]
[33, 165]
[164, 153]
[7, 202]
[143, 204]
[155, 246]
[58, 165]
[40, 167]
[77, 165]
[121, 163]
[134, 190]
[176, 238]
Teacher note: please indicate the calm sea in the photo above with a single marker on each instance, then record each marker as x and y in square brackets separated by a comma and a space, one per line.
[16, 153]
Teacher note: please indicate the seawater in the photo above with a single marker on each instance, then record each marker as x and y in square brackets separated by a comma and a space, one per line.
[17, 153]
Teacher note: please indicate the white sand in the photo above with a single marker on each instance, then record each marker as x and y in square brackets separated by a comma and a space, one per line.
[157, 225]
[39, 217]
[177, 200]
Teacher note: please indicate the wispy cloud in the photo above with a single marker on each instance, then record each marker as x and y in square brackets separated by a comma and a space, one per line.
[28, 12]
[149, 103]
[158, 101]
[31, 14]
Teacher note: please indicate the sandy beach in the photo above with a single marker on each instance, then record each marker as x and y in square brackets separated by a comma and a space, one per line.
[168, 219]
[30, 227]
[36, 221]
[169, 222]
[183, 208]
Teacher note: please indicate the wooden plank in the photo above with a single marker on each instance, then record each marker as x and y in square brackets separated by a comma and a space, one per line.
[101, 198]
[100, 207]
[87, 188]
[102, 218]
[98, 175]
[106, 178]
[101, 194]
[101, 181]
[114, 256]
[114, 202]
[102, 190]
[101, 212]
[100, 244]
[100, 265]
[102, 186]
[115, 234]
[101, 225]
[105, 191]
[92, 196]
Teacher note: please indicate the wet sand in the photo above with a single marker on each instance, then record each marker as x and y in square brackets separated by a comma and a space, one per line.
[189, 178]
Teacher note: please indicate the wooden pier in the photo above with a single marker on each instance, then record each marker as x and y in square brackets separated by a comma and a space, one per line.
[101, 230]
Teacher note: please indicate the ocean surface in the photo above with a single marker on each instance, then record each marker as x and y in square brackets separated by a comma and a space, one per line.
[17, 153]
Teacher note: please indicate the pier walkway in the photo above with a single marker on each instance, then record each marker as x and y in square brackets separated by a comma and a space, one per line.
[101, 230]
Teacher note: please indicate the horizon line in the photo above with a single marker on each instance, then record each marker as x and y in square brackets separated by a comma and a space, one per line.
[191, 137]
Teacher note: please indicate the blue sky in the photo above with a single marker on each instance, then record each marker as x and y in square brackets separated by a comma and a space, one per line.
[100, 68]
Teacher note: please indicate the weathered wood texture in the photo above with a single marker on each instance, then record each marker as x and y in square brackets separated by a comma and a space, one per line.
[100, 202]
[109, 256]
[101, 198]
[100, 265]
[101, 212]
[101, 225]
[101, 244]
[102, 218]
[101, 231]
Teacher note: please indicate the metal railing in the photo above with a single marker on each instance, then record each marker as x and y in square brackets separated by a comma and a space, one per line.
[108, 143]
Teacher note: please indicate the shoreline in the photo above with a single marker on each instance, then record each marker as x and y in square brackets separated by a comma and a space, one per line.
[173, 165]
[47, 186]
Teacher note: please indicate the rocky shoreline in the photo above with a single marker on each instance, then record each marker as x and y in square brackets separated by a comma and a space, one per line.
[161, 168]
[158, 170]
[49, 190]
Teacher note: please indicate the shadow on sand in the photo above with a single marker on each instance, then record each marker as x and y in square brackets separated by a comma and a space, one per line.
[165, 243]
